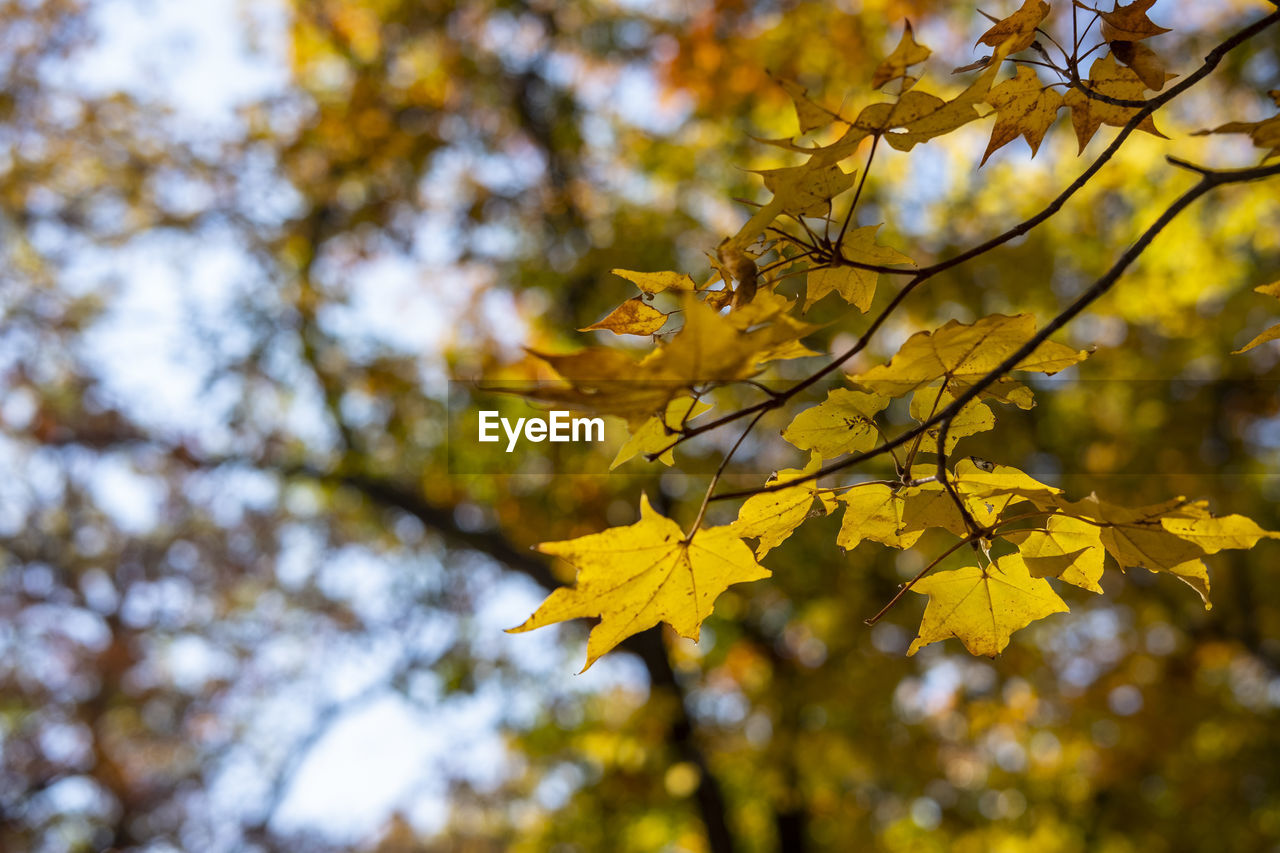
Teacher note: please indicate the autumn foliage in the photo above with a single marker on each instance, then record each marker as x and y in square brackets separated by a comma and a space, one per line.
[1022, 535]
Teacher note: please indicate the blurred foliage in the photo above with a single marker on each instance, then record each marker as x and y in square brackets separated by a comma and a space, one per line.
[222, 537]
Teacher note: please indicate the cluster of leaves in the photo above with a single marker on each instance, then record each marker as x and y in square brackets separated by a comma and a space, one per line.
[741, 320]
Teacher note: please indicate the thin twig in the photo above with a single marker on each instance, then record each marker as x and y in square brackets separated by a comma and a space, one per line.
[902, 590]
[857, 194]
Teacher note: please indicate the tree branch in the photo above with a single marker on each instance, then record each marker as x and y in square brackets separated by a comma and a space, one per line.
[1208, 182]
[1211, 61]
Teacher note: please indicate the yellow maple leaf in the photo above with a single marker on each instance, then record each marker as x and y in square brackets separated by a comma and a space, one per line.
[982, 607]
[711, 347]
[636, 576]
[608, 382]
[1272, 333]
[974, 418]
[1020, 26]
[980, 479]
[930, 505]
[1068, 549]
[874, 511]
[1109, 78]
[656, 282]
[808, 113]
[1216, 533]
[895, 65]
[1144, 61]
[843, 423]
[1129, 22]
[657, 434]
[922, 116]
[857, 286]
[1136, 537]
[633, 317]
[773, 516]
[963, 353]
[1023, 108]
[807, 189]
[1195, 575]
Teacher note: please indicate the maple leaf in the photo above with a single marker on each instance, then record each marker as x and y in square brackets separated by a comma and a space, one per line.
[1264, 133]
[961, 354]
[874, 511]
[773, 516]
[711, 347]
[1215, 533]
[636, 576]
[1115, 81]
[1270, 334]
[843, 423]
[656, 282]
[982, 607]
[808, 113]
[633, 317]
[856, 285]
[1020, 26]
[806, 190]
[985, 494]
[608, 382]
[980, 479]
[1137, 537]
[923, 116]
[1128, 22]
[1023, 108]
[1144, 61]
[895, 65]
[656, 434]
[985, 489]
[974, 418]
[1067, 548]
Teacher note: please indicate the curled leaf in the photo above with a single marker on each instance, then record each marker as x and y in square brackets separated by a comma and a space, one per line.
[1143, 60]
[1020, 26]
[633, 317]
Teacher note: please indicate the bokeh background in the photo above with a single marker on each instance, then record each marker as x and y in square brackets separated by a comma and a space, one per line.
[244, 604]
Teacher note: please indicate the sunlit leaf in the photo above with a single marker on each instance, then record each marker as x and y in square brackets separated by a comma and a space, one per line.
[1020, 26]
[857, 286]
[1067, 548]
[982, 607]
[874, 511]
[1128, 22]
[656, 434]
[843, 423]
[1115, 81]
[1023, 108]
[634, 577]
[656, 282]
[895, 65]
[633, 317]
[773, 516]
[962, 353]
